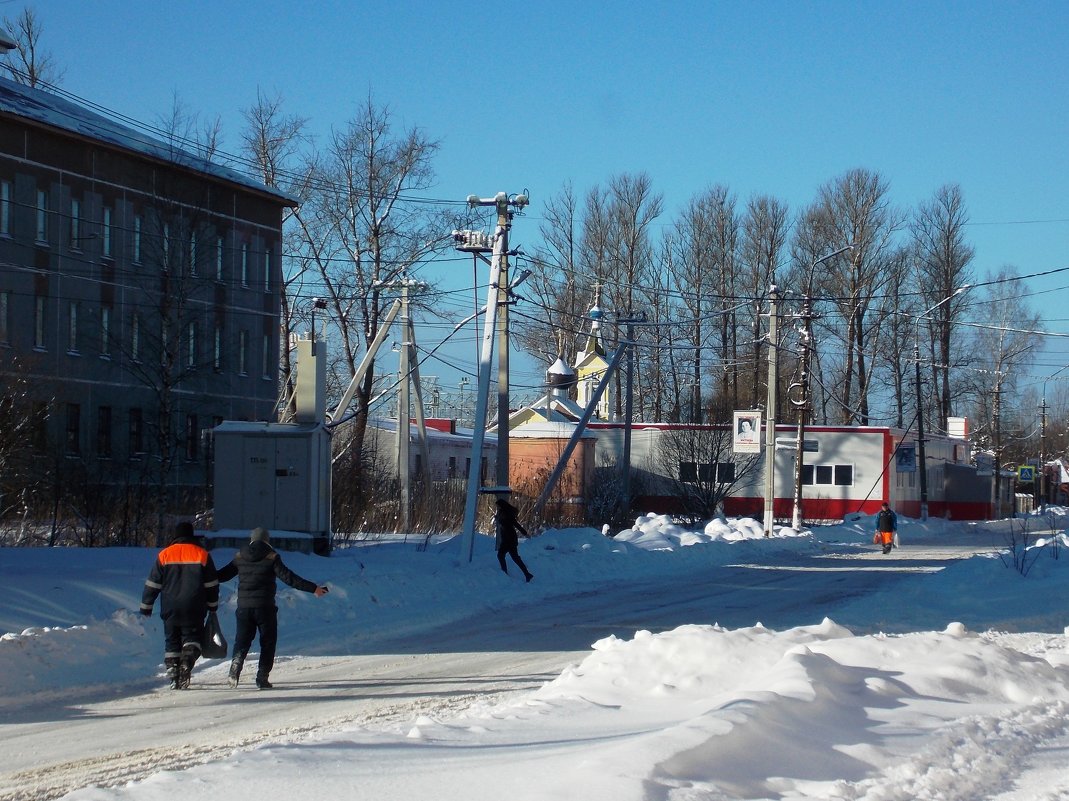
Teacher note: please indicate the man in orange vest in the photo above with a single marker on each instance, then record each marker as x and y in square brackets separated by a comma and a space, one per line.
[886, 526]
[184, 578]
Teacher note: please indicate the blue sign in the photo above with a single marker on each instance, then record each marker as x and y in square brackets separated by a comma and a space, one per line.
[906, 459]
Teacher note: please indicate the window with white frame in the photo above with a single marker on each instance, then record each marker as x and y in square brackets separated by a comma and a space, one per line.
[105, 330]
[244, 264]
[267, 270]
[42, 216]
[135, 337]
[243, 352]
[707, 472]
[217, 348]
[76, 224]
[72, 327]
[39, 322]
[105, 232]
[828, 475]
[5, 208]
[191, 345]
[265, 366]
[137, 239]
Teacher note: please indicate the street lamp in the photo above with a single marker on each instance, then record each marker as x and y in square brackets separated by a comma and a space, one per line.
[802, 402]
[922, 465]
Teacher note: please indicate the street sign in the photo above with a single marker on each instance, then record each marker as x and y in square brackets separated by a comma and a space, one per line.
[791, 443]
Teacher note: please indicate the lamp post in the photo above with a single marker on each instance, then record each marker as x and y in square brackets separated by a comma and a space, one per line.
[922, 465]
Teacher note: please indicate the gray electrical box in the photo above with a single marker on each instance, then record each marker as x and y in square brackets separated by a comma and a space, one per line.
[275, 475]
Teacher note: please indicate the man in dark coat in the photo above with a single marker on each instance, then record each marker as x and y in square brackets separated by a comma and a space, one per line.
[185, 579]
[886, 526]
[257, 565]
[508, 536]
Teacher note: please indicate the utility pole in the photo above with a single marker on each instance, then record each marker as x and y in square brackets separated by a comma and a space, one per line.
[629, 405]
[496, 303]
[770, 412]
[1041, 481]
[801, 405]
[409, 375]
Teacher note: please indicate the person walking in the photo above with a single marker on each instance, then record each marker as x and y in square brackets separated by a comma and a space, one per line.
[257, 565]
[886, 526]
[508, 540]
[187, 584]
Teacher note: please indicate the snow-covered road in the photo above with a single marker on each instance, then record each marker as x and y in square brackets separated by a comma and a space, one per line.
[111, 734]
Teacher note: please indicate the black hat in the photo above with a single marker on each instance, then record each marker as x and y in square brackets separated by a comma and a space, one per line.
[183, 530]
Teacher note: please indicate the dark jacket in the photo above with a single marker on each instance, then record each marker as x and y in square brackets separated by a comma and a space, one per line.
[257, 565]
[185, 579]
[508, 527]
[886, 520]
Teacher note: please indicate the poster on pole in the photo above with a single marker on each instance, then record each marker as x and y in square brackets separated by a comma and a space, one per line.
[747, 432]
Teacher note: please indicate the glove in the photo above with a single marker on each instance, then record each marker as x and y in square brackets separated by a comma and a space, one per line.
[146, 612]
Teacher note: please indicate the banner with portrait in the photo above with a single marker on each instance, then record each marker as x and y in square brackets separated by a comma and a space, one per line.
[747, 432]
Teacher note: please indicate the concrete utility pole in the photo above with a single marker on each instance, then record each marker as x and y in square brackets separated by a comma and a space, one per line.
[801, 405]
[496, 302]
[629, 407]
[770, 412]
[409, 375]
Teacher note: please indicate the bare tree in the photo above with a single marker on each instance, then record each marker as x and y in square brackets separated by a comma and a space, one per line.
[942, 264]
[278, 146]
[700, 468]
[856, 210]
[358, 231]
[28, 63]
[764, 234]
[1006, 347]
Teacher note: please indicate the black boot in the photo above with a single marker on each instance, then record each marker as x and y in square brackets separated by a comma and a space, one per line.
[262, 683]
[171, 664]
[190, 652]
[236, 664]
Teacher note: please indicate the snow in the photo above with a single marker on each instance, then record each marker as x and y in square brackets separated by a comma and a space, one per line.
[666, 662]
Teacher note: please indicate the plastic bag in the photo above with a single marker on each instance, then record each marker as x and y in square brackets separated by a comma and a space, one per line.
[895, 540]
[213, 644]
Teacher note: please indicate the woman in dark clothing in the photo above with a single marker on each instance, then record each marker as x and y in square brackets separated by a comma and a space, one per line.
[257, 565]
[508, 539]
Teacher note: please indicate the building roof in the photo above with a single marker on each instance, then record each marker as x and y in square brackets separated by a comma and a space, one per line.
[55, 111]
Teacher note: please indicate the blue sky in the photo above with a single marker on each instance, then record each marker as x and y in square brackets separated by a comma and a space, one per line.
[773, 97]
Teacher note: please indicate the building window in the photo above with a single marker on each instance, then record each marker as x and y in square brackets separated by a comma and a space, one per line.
[191, 346]
[265, 365]
[244, 265]
[192, 437]
[72, 327]
[452, 467]
[104, 432]
[76, 224]
[137, 239]
[243, 352]
[105, 233]
[105, 330]
[219, 258]
[136, 432]
[828, 475]
[135, 337]
[5, 334]
[73, 438]
[165, 242]
[267, 270]
[192, 252]
[217, 349]
[39, 322]
[42, 216]
[5, 208]
[707, 472]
